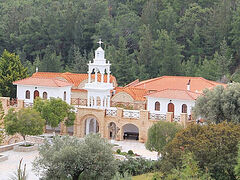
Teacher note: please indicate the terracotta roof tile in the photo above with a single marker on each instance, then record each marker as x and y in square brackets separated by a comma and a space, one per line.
[73, 78]
[132, 84]
[137, 94]
[175, 94]
[37, 81]
[197, 84]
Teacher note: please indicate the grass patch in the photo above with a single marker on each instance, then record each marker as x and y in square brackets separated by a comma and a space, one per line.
[26, 145]
[147, 176]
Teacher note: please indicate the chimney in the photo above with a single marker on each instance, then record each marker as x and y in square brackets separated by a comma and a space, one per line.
[188, 85]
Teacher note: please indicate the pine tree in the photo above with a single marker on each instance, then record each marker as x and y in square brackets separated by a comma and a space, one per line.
[79, 64]
[51, 62]
[223, 59]
[11, 70]
[145, 54]
[122, 63]
[167, 58]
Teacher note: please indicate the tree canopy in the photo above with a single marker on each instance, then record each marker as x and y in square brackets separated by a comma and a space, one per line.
[55, 111]
[219, 104]
[26, 121]
[11, 70]
[71, 157]
[214, 147]
[160, 134]
[155, 37]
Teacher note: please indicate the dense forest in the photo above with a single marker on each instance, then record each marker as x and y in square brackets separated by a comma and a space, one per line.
[142, 38]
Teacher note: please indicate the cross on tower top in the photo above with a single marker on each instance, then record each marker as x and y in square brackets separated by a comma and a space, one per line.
[100, 42]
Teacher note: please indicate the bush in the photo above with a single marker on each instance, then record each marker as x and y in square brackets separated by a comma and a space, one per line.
[214, 147]
[130, 152]
[71, 157]
[118, 151]
[136, 166]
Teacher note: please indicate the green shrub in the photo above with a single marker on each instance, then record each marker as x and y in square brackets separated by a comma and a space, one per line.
[136, 166]
[130, 152]
[118, 151]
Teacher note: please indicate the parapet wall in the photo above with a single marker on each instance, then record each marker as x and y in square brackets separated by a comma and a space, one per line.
[142, 119]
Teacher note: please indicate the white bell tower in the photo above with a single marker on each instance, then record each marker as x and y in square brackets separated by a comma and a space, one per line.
[99, 87]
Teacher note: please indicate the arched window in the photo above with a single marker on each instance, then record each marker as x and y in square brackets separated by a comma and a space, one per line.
[36, 94]
[64, 96]
[184, 108]
[27, 94]
[44, 95]
[157, 106]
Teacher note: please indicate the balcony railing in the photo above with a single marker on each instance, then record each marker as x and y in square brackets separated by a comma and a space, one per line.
[155, 116]
[78, 101]
[28, 104]
[131, 114]
[111, 112]
[177, 118]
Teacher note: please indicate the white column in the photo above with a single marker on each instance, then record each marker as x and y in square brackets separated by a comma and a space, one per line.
[108, 99]
[89, 77]
[92, 100]
[102, 76]
[95, 75]
[105, 102]
[87, 126]
[101, 99]
[108, 77]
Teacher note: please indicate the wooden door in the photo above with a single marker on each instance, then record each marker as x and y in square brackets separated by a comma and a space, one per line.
[36, 94]
[171, 108]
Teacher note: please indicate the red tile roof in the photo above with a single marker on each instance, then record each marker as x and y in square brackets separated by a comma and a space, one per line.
[132, 84]
[73, 78]
[197, 84]
[37, 81]
[175, 94]
[137, 94]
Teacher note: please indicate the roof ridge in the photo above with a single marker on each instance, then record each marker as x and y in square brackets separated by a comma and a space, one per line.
[190, 95]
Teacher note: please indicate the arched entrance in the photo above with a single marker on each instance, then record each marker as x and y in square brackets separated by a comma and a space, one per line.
[171, 108]
[91, 126]
[130, 131]
[36, 94]
[113, 130]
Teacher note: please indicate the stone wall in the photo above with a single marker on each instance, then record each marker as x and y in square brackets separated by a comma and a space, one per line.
[125, 99]
[120, 117]
[6, 106]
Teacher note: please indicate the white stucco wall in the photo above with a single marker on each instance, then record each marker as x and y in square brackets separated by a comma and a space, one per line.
[56, 92]
[164, 105]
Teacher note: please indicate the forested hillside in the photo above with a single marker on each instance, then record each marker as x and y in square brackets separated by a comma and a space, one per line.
[142, 38]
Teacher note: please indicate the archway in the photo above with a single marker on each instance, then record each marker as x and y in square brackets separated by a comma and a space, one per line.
[130, 131]
[36, 94]
[91, 126]
[171, 107]
[113, 130]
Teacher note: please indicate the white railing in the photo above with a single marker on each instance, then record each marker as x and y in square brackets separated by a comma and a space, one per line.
[176, 118]
[131, 114]
[111, 112]
[155, 116]
[28, 104]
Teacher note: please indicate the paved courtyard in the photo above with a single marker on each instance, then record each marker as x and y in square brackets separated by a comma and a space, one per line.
[7, 168]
